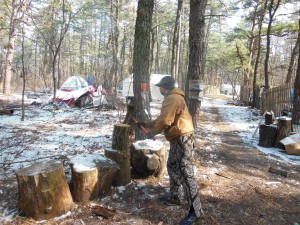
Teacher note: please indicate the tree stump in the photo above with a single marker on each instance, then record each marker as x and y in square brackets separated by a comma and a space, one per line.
[120, 139]
[148, 158]
[283, 130]
[43, 190]
[267, 135]
[92, 176]
[122, 158]
[120, 153]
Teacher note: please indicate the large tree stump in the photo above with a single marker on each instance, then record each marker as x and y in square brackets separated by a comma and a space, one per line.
[267, 135]
[92, 176]
[148, 158]
[120, 153]
[43, 190]
[283, 130]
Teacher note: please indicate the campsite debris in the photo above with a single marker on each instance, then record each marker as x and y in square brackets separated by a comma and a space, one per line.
[292, 144]
[6, 111]
[43, 190]
[148, 157]
[279, 171]
[104, 212]
[120, 153]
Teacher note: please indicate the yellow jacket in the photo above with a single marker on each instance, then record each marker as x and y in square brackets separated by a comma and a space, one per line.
[174, 119]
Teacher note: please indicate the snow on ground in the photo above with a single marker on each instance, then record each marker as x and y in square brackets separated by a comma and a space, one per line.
[48, 131]
[242, 119]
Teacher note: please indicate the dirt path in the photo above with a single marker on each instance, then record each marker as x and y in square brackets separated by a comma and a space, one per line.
[236, 186]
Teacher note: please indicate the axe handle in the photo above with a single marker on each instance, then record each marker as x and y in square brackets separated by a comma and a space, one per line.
[145, 131]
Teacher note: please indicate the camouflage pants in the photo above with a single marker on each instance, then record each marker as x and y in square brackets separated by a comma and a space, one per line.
[180, 167]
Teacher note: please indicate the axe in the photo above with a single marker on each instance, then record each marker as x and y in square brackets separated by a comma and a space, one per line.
[145, 130]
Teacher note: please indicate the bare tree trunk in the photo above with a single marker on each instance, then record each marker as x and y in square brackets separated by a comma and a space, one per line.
[260, 22]
[176, 42]
[141, 56]
[23, 77]
[16, 7]
[295, 52]
[296, 113]
[196, 56]
[272, 12]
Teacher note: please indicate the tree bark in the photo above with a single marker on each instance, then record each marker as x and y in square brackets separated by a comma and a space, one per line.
[141, 58]
[296, 103]
[43, 190]
[197, 51]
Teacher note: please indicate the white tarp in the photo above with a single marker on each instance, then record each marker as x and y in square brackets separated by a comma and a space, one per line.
[127, 84]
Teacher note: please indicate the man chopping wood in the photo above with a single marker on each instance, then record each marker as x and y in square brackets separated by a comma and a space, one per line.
[176, 123]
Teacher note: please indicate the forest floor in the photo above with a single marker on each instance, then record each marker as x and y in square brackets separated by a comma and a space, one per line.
[235, 186]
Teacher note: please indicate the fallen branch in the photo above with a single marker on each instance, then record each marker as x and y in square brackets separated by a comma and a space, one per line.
[278, 171]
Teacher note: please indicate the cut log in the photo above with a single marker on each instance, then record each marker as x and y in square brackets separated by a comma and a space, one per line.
[267, 135]
[120, 138]
[122, 158]
[269, 118]
[283, 130]
[6, 111]
[43, 191]
[92, 176]
[148, 158]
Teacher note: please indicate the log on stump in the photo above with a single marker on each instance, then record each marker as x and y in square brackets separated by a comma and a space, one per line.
[120, 153]
[120, 138]
[148, 158]
[43, 190]
[283, 130]
[269, 118]
[92, 176]
[122, 158]
[267, 135]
